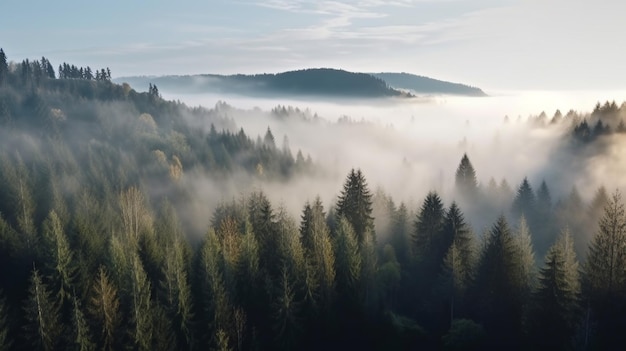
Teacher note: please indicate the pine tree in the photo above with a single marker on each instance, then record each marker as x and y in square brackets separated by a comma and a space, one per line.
[82, 336]
[287, 323]
[496, 287]
[400, 234]
[355, 205]
[524, 202]
[4, 68]
[465, 180]
[525, 259]
[177, 291]
[554, 312]
[605, 274]
[104, 309]
[605, 269]
[142, 307]
[458, 272]
[216, 300]
[62, 263]
[427, 239]
[43, 328]
[347, 261]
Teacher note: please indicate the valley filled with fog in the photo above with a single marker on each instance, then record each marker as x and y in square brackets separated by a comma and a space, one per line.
[409, 147]
[155, 220]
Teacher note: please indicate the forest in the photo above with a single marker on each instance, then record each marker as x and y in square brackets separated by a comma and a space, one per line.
[101, 246]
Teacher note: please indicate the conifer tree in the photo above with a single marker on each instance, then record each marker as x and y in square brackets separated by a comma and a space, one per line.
[82, 336]
[465, 180]
[458, 272]
[554, 311]
[347, 261]
[4, 68]
[497, 289]
[177, 291]
[5, 336]
[355, 205]
[287, 320]
[428, 241]
[524, 202]
[525, 259]
[216, 300]
[62, 263]
[104, 309]
[43, 328]
[142, 307]
[605, 274]
[400, 234]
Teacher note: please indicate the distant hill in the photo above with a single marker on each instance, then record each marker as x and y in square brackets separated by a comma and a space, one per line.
[308, 82]
[424, 85]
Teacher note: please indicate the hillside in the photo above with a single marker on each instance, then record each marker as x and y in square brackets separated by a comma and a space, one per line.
[308, 82]
[425, 85]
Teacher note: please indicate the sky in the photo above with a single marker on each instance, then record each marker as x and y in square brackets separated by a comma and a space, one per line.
[493, 44]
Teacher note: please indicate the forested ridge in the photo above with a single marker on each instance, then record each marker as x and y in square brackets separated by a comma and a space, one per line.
[96, 251]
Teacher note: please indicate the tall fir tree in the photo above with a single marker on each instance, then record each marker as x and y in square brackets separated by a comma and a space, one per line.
[465, 180]
[496, 288]
[605, 275]
[458, 266]
[355, 205]
[524, 202]
[43, 328]
[554, 313]
[104, 310]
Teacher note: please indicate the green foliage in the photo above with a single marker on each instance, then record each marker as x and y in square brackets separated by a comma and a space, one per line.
[498, 287]
[464, 334]
[555, 308]
[43, 328]
[355, 205]
[347, 260]
[82, 337]
[104, 310]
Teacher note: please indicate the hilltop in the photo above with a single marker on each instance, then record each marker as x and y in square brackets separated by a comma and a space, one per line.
[320, 82]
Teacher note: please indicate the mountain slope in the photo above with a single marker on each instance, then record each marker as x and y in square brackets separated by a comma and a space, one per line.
[425, 85]
[308, 82]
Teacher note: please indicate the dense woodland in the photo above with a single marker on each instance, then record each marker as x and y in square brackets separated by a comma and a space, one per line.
[96, 253]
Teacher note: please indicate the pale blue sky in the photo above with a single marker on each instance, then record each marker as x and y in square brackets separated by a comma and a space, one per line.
[505, 44]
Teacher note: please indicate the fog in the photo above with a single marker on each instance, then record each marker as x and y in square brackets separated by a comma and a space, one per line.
[409, 147]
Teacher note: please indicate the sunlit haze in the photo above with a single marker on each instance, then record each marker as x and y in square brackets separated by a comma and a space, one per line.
[492, 44]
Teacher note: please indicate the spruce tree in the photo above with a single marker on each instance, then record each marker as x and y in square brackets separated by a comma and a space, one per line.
[497, 289]
[4, 68]
[355, 205]
[347, 261]
[555, 306]
[458, 266]
[524, 202]
[104, 310]
[465, 180]
[82, 337]
[62, 263]
[430, 246]
[605, 275]
[43, 328]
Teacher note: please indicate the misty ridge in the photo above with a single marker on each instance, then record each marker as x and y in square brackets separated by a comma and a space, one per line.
[131, 221]
[312, 83]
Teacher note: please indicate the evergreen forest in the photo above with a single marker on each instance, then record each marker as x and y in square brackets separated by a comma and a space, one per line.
[99, 249]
